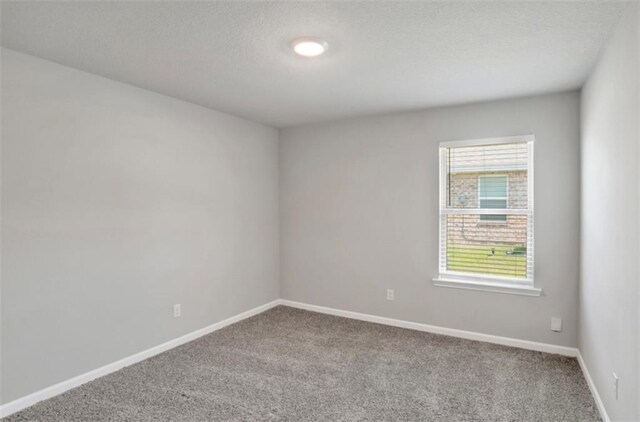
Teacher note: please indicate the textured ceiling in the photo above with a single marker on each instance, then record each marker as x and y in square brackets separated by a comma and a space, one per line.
[383, 56]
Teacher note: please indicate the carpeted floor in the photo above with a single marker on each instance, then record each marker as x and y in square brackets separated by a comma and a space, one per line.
[293, 365]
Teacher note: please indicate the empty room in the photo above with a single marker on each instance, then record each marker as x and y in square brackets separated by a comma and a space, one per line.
[320, 211]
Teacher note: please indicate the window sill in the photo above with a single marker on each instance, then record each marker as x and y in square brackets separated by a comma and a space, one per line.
[491, 223]
[487, 286]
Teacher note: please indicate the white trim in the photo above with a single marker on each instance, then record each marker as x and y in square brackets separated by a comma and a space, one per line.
[476, 211]
[594, 390]
[462, 170]
[462, 277]
[509, 287]
[488, 141]
[54, 390]
[469, 335]
[444, 278]
[530, 205]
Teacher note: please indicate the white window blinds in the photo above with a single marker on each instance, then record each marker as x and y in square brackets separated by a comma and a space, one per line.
[486, 209]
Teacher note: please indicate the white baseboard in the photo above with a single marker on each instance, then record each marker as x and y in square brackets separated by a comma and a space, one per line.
[469, 335]
[54, 390]
[594, 390]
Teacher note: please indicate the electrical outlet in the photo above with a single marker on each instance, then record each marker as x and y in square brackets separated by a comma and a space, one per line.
[390, 295]
[556, 324]
[615, 386]
[176, 310]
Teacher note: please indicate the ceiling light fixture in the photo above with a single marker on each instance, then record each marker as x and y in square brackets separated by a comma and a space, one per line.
[309, 46]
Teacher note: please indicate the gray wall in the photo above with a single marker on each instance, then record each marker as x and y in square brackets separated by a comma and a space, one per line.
[116, 204]
[359, 214]
[610, 274]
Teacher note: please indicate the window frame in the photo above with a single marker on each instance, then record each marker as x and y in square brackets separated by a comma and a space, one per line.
[505, 198]
[486, 282]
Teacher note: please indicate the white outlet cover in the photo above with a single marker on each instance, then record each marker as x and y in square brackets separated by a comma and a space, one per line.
[556, 324]
[176, 310]
[390, 294]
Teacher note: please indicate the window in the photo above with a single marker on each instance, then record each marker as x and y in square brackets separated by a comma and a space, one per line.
[486, 215]
[492, 193]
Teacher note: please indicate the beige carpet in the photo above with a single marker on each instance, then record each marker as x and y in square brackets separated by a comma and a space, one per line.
[293, 365]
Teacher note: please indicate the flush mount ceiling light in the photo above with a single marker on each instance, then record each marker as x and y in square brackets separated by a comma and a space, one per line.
[309, 46]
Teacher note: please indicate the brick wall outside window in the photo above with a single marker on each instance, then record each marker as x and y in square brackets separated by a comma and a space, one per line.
[468, 229]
